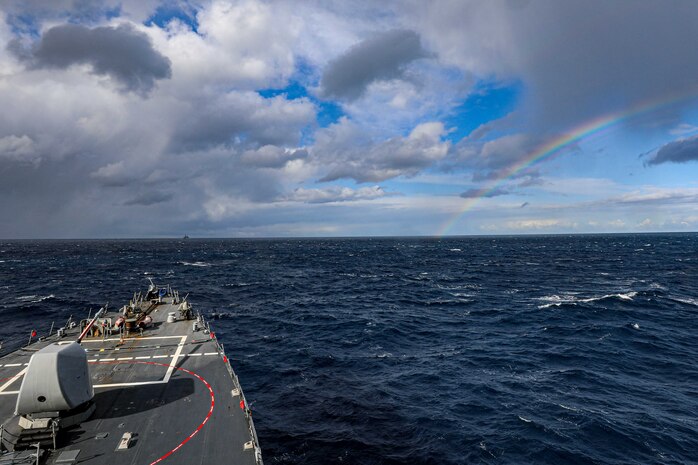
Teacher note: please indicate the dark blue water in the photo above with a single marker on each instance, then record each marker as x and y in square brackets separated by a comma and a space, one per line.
[546, 350]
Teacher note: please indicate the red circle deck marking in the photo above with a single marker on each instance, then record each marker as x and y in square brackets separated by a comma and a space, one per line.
[201, 425]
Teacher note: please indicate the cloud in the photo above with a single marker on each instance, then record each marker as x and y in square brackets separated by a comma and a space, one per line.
[343, 149]
[23, 13]
[224, 160]
[271, 156]
[492, 159]
[678, 151]
[382, 57]
[113, 174]
[478, 193]
[246, 45]
[336, 194]
[122, 53]
[683, 129]
[570, 74]
[241, 118]
[658, 196]
[539, 224]
[150, 198]
[20, 148]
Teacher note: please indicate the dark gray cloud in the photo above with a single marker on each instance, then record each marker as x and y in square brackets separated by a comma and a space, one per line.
[243, 119]
[122, 53]
[23, 15]
[493, 159]
[149, 198]
[577, 59]
[678, 151]
[477, 193]
[382, 57]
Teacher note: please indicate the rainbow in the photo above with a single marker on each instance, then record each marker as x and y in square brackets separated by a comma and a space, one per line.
[553, 146]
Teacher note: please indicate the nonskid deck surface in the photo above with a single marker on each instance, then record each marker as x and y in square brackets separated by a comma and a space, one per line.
[170, 388]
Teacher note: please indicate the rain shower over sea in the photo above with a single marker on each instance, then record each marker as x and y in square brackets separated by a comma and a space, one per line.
[498, 350]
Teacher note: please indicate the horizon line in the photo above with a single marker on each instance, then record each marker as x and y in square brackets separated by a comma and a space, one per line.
[380, 236]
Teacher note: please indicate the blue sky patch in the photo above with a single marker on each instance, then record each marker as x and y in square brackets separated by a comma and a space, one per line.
[488, 102]
[164, 14]
[328, 112]
[23, 24]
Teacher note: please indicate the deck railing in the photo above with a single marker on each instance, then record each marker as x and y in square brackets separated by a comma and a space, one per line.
[237, 388]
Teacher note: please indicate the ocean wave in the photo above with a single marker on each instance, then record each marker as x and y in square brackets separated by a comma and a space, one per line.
[570, 299]
[202, 264]
[687, 301]
[568, 408]
[34, 299]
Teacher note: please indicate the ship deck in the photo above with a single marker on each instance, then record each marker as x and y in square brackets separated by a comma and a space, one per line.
[171, 387]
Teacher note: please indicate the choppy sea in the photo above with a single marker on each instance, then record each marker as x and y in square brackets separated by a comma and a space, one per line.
[516, 350]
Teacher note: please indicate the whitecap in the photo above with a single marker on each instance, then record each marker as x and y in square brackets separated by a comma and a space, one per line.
[525, 419]
[34, 299]
[462, 294]
[455, 250]
[625, 296]
[204, 264]
[568, 408]
[557, 301]
[686, 301]
[557, 304]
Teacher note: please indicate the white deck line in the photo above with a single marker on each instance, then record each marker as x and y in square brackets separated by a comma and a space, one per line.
[166, 379]
[140, 383]
[12, 380]
[131, 338]
[171, 368]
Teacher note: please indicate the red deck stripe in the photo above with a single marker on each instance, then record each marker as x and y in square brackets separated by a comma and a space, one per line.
[201, 425]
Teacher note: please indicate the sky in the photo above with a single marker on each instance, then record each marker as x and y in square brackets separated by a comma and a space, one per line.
[281, 118]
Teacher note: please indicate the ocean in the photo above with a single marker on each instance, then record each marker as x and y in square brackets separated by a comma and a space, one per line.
[495, 350]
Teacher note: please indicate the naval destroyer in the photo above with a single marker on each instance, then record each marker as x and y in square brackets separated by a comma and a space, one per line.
[146, 383]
